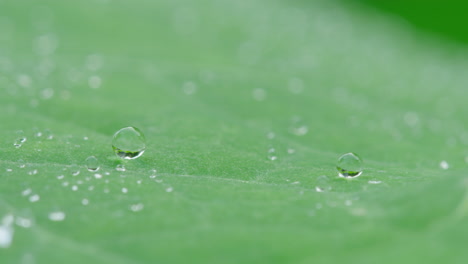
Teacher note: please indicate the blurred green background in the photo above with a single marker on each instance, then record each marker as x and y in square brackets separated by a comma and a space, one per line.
[244, 105]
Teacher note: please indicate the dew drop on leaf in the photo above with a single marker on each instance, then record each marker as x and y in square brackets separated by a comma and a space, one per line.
[349, 166]
[129, 143]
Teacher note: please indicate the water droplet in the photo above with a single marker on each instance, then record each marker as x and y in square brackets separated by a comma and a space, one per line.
[270, 135]
[6, 231]
[296, 85]
[33, 172]
[291, 151]
[259, 94]
[64, 184]
[57, 216]
[85, 201]
[34, 198]
[138, 181]
[26, 192]
[120, 167]
[349, 166]
[271, 154]
[189, 88]
[158, 181]
[92, 163]
[23, 222]
[94, 81]
[129, 143]
[136, 207]
[85, 138]
[21, 164]
[74, 188]
[374, 182]
[19, 142]
[322, 184]
[300, 130]
[444, 165]
[124, 190]
[76, 173]
[169, 189]
[9, 170]
[296, 182]
[97, 176]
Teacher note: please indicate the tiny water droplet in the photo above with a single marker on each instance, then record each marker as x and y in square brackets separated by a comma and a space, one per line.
[169, 189]
[374, 182]
[136, 207]
[26, 192]
[444, 165]
[34, 198]
[74, 188]
[76, 173]
[124, 190]
[85, 201]
[6, 236]
[92, 163]
[138, 181]
[21, 164]
[349, 166]
[57, 216]
[9, 170]
[23, 222]
[120, 167]
[97, 176]
[33, 172]
[322, 184]
[129, 143]
[65, 184]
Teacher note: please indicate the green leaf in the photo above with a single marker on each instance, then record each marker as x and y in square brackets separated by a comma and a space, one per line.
[244, 104]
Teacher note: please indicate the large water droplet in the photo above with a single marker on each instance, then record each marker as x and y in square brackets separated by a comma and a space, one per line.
[92, 163]
[322, 184]
[129, 143]
[349, 165]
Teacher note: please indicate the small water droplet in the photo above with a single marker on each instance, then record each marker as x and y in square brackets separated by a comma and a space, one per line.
[129, 143]
[120, 167]
[26, 192]
[349, 166]
[9, 170]
[97, 176]
[33, 172]
[92, 163]
[74, 188]
[19, 142]
[259, 94]
[189, 88]
[65, 184]
[270, 135]
[90, 188]
[138, 181]
[374, 182]
[124, 190]
[296, 182]
[169, 189]
[136, 207]
[272, 154]
[291, 151]
[23, 222]
[444, 165]
[322, 184]
[21, 164]
[76, 173]
[158, 181]
[85, 138]
[300, 130]
[57, 216]
[85, 201]
[60, 177]
[94, 81]
[34, 198]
